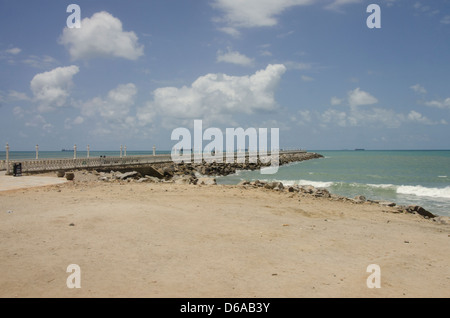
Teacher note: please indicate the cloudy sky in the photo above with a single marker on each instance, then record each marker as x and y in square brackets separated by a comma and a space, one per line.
[136, 70]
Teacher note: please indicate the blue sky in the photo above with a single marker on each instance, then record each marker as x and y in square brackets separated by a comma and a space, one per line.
[136, 70]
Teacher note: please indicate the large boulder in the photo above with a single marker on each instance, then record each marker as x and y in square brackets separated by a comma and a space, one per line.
[420, 210]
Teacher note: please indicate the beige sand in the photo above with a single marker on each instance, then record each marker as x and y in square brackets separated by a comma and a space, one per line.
[8, 182]
[165, 240]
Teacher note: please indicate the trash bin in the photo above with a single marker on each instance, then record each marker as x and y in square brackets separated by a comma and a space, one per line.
[17, 169]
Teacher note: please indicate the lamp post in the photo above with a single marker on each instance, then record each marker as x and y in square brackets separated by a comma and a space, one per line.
[121, 147]
[75, 151]
[7, 158]
[37, 152]
[88, 151]
[125, 151]
[154, 151]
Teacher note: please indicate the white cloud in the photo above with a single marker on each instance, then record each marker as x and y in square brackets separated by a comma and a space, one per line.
[414, 116]
[38, 121]
[305, 115]
[307, 78]
[78, 121]
[51, 89]
[69, 122]
[230, 31]
[13, 51]
[335, 101]
[358, 97]
[299, 66]
[101, 35]
[332, 116]
[14, 95]
[116, 105]
[446, 19]
[439, 104]
[18, 112]
[254, 13]
[43, 62]
[215, 97]
[337, 4]
[266, 53]
[234, 57]
[419, 89]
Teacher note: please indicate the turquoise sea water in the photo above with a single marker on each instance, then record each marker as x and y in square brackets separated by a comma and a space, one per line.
[404, 177]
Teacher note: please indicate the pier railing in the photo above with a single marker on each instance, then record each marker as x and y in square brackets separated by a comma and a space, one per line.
[45, 165]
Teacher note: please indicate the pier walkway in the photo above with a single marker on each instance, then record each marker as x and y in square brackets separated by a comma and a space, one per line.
[66, 164]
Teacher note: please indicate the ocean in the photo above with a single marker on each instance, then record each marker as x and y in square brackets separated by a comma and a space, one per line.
[404, 177]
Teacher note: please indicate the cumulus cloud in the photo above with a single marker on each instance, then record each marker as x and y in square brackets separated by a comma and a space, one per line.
[216, 97]
[376, 117]
[439, 104]
[254, 13]
[419, 89]
[234, 57]
[418, 117]
[51, 89]
[102, 35]
[357, 97]
[115, 106]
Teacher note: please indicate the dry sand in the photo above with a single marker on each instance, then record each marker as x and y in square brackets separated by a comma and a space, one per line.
[166, 240]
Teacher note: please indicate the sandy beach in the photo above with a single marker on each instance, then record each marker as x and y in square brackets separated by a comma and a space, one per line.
[169, 240]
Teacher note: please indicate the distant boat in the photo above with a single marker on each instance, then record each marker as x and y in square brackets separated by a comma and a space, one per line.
[359, 149]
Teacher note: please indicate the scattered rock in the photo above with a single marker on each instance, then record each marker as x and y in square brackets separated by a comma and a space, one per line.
[60, 173]
[387, 203]
[420, 210]
[442, 219]
[70, 176]
[359, 199]
[182, 179]
[126, 175]
[207, 181]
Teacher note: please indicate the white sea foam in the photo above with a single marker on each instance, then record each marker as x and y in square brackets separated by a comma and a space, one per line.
[425, 192]
[383, 186]
[316, 184]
